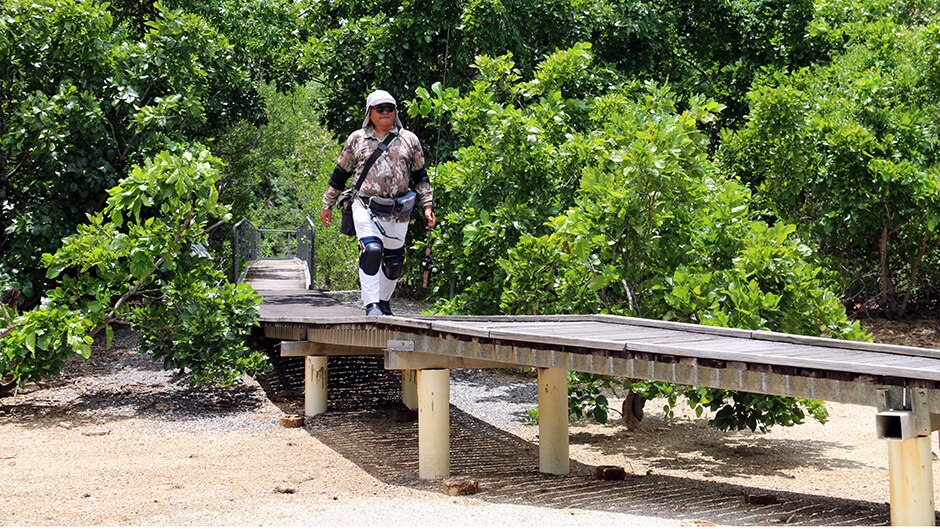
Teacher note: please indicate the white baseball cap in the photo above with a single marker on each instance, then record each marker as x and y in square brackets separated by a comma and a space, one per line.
[377, 98]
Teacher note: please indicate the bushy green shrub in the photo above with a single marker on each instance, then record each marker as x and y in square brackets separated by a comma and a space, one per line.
[850, 153]
[137, 262]
[610, 204]
[82, 102]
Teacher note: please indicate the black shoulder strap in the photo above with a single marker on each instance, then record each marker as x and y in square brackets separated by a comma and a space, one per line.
[382, 147]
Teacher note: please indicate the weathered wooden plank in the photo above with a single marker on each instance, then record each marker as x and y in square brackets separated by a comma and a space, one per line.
[529, 324]
[305, 348]
[624, 335]
[480, 329]
[689, 339]
[400, 360]
[558, 327]
[922, 373]
[276, 274]
[568, 328]
[614, 332]
[351, 336]
[817, 355]
[498, 319]
[284, 331]
[579, 337]
[462, 328]
[813, 351]
[405, 323]
[314, 321]
[297, 306]
[902, 360]
[724, 344]
[674, 325]
[808, 351]
[846, 344]
[543, 340]
[697, 329]
[845, 355]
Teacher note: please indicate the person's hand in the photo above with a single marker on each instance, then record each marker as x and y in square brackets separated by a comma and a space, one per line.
[430, 218]
[326, 217]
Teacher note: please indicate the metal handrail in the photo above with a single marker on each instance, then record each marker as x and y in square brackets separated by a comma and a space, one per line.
[306, 248]
[276, 247]
[247, 246]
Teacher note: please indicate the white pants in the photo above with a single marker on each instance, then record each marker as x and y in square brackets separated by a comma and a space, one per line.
[377, 287]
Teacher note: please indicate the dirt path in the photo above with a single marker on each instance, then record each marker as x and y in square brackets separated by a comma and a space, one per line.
[117, 442]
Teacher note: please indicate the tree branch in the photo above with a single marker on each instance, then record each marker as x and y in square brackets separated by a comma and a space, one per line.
[146, 277]
[212, 228]
[10, 326]
[915, 271]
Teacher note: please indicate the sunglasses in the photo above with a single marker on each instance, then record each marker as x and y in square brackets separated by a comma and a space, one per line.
[384, 109]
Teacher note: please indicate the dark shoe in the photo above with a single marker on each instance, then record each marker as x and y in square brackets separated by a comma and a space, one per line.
[386, 309]
[373, 309]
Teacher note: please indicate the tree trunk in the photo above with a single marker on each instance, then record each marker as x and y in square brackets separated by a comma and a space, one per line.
[889, 297]
[7, 388]
[915, 271]
[633, 410]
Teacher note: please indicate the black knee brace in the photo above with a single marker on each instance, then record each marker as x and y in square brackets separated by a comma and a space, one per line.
[393, 261]
[370, 255]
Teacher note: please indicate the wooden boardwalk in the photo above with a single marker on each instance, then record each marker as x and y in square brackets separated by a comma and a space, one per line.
[755, 361]
[902, 383]
[282, 284]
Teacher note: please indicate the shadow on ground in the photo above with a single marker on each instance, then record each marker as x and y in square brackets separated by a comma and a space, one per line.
[382, 439]
[381, 443]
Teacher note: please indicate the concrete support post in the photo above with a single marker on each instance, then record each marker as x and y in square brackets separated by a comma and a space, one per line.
[911, 481]
[553, 421]
[433, 423]
[314, 385]
[409, 388]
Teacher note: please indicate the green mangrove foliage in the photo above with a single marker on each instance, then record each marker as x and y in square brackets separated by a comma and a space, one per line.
[275, 174]
[107, 200]
[850, 152]
[610, 204]
[141, 260]
[710, 47]
[82, 102]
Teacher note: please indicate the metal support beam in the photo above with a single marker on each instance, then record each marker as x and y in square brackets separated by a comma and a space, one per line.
[433, 423]
[911, 481]
[553, 421]
[904, 418]
[315, 382]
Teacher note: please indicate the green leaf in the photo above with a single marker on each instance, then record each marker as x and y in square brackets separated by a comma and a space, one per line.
[598, 282]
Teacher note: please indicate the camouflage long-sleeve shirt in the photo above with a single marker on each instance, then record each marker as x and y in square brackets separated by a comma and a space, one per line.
[397, 170]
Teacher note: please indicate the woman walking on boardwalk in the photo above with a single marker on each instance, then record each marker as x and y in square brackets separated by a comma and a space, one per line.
[388, 162]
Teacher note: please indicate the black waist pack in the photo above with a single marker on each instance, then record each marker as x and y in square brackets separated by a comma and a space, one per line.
[393, 207]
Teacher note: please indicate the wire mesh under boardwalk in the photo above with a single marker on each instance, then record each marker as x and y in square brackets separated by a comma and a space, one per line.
[507, 470]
